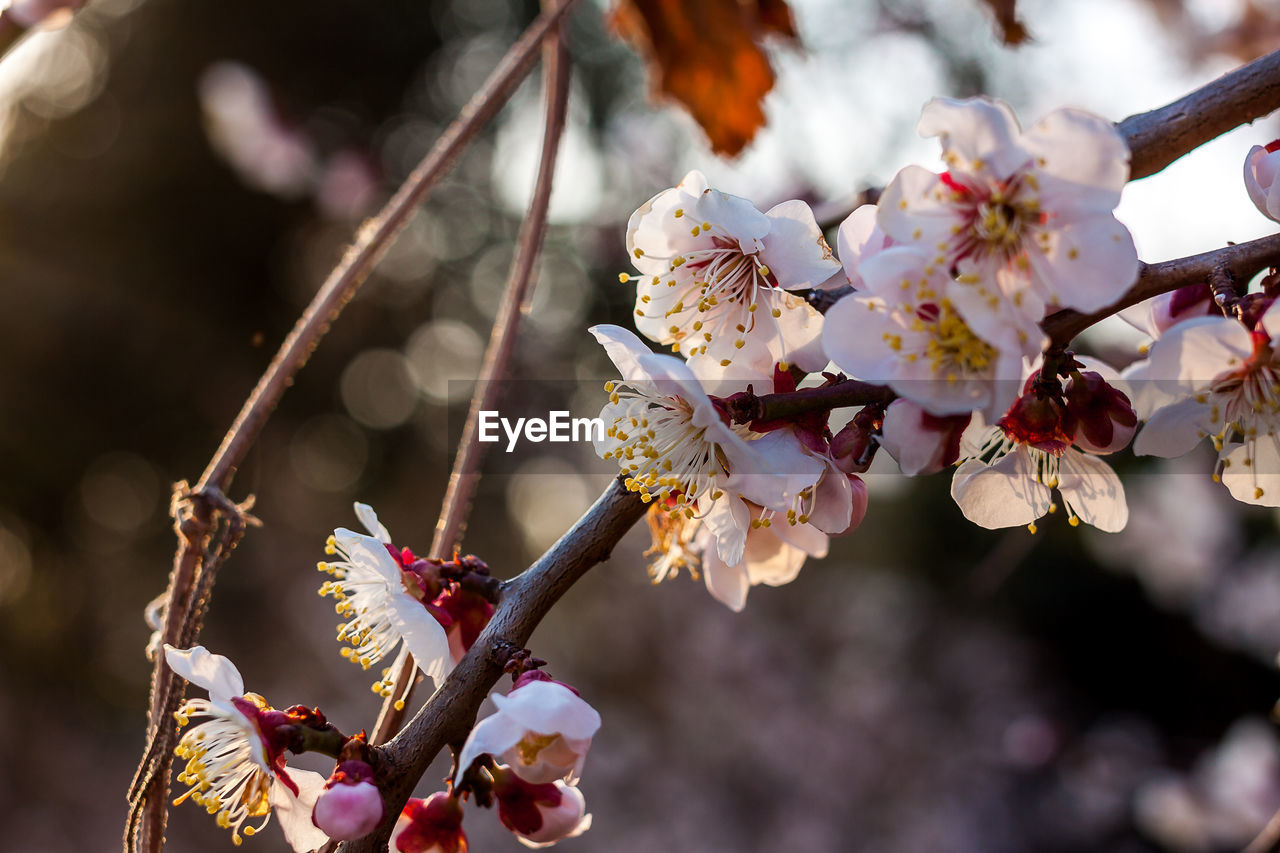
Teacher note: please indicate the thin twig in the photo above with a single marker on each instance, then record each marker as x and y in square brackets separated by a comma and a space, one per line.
[497, 357]
[448, 716]
[371, 243]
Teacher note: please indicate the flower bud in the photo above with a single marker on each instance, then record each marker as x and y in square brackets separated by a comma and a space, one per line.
[1194, 300]
[1261, 170]
[351, 805]
[921, 443]
[1105, 419]
[1040, 420]
[539, 814]
[433, 825]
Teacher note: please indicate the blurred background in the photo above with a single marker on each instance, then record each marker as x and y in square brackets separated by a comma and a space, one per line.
[176, 179]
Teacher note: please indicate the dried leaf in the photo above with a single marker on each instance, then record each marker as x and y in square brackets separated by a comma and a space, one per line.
[707, 54]
[1012, 30]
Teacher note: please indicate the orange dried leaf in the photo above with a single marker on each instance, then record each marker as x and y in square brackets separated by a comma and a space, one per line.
[1012, 30]
[707, 54]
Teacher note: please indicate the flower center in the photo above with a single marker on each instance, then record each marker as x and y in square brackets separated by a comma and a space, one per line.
[952, 349]
[532, 744]
[662, 452]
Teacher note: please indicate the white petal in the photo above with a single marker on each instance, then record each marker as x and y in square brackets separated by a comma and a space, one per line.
[1087, 265]
[771, 561]
[423, 635]
[369, 519]
[785, 469]
[1271, 321]
[202, 668]
[1082, 162]
[741, 219]
[794, 249]
[493, 735]
[852, 335]
[916, 448]
[1262, 472]
[623, 348]
[369, 554]
[1006, 494]
[1173, 430]
[977, 130]
[915, 208]
[547, 708]
[729, 519]
[727, 582]
[1093, 490]
[832, 504]
[294, 813]
[858, 238]
[800, 330]
[806, 537]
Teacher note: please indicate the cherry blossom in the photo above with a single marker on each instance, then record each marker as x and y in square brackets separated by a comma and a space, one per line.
[715, 274]
[350, 805]
[1262, 178]
[540, 814]
[1215, 377]
[235, 758]
[542, 728]
[675, 446]
[386, 604]
[1010, 470]
[1035, 205]
[1157, 315]
[905, 331]
[433, 825]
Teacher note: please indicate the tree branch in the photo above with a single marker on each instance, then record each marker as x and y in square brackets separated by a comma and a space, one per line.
[502, 339]
[448, 716]
[145, 827]
[1159, 137]
[1241, 261]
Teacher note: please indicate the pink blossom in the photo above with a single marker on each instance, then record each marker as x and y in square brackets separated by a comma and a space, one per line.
[715, 274]
[1262, 178]
[540, 814]
[350, 805]
[542, 728]
[1035, 206]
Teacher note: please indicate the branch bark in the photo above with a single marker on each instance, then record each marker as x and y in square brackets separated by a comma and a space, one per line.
[515, 301]
[448, 716]
[1242, 261]
[145, 826]
[1161, 136]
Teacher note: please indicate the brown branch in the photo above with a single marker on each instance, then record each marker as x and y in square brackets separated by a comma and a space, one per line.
[515, 299]
[1159, 137]
[1241, 262]
[791, 404]
[145, 827]
[526, 599]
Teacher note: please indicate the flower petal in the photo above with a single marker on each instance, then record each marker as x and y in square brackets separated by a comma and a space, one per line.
[547, 707]
[493, 735]
[369, 519]
[1006, 494]
[1091, 488]
[1082, 162]
[294, 812]
[1252, 472]
[794, 249]
[424, 636]
[727, 582]
[1173, 430]
[982, 132]
[202, 668]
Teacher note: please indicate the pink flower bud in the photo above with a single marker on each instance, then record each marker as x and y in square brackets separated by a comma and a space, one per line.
[1105, 419]
[1194, 300]
[922, 443]
[433, 825]
[539, 814]
[351, 805]
[1261, 170]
